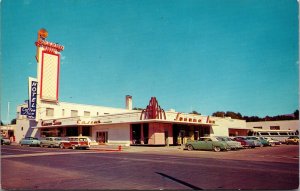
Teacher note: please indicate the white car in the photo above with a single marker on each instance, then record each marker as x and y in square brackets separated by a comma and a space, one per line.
[272, 141]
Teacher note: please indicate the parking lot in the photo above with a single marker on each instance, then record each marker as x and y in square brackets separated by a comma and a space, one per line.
[149, 168]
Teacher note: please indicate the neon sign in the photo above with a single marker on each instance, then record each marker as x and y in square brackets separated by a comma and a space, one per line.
[48, 46]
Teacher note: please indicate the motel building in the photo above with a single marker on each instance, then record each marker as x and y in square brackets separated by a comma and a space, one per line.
[45, 115]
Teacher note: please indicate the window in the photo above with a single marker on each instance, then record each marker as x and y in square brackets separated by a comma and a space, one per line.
[274, 133]
[63, 112]
[86, 113]
[74, 113]
[50, 112]
[274, 127]
[257, 127]
[264, 133]
[97, 113]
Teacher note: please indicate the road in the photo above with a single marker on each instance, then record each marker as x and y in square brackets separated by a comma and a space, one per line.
[150, 168]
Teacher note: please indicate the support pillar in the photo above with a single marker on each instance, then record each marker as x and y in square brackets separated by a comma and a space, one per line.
[142, 133]
[80, 130]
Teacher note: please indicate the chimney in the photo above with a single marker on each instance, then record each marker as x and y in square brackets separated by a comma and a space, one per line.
[129, 102]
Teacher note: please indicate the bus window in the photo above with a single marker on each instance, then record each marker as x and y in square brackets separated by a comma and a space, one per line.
[264, 133]
[283, 133]
[274, 133]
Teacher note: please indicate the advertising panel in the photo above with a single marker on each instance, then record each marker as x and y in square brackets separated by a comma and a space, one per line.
[49, 76]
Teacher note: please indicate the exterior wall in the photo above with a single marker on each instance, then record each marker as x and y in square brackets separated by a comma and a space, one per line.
[27, 131]
[58, 110]
[224, 125]
[117, 133]
[157, 133]
[284, 125]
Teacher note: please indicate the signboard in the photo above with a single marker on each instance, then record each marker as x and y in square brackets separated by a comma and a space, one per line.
[30, 111]
[49, 76]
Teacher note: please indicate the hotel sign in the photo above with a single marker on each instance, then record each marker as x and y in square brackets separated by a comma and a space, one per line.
[30, 111]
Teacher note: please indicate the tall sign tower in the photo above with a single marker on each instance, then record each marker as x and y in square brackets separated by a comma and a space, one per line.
[48, 59]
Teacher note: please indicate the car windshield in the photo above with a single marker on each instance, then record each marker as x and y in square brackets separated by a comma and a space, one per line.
[57, 139]
[219, 138]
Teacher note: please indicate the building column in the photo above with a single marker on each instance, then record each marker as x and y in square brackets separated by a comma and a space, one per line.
[80, 130]
[142, 133]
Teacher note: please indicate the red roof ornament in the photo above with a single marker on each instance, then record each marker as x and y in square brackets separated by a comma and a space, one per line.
[153, 111]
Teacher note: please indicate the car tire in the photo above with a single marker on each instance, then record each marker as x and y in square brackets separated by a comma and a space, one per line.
[217, 149]
[73, 147]
[190, 147]
[61, 146]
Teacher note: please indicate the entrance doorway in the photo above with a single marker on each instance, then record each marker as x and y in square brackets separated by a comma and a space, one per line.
[102, 137]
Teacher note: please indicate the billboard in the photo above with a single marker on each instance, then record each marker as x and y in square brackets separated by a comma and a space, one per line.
[49, 79]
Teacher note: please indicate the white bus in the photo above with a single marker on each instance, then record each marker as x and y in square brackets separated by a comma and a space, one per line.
[280, 135]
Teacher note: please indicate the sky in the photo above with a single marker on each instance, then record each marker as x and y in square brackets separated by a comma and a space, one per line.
[192, 55]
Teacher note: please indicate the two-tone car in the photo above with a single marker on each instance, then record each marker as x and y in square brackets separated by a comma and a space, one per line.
[245, 142]
[79, 142]
[255, 140]
[207, 143]
[30, 141]
[234, 145]
[51, 142]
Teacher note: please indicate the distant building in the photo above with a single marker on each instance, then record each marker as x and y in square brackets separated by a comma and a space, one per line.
[274, 125]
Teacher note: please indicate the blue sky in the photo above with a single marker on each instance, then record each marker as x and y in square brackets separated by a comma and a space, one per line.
[203, 55]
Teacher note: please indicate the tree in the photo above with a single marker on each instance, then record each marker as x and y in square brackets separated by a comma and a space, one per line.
[137, 108]
[2, 123]
[296, 114]
[195, 112]
[219, 114]
[233, 115]
[13, 121]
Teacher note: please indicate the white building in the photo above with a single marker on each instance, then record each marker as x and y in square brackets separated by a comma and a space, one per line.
[45, 115]
[274, 125]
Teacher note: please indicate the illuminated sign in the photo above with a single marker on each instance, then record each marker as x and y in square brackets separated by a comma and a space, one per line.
[88, 122]
[54, 122]
[30, 111]
[48, 46]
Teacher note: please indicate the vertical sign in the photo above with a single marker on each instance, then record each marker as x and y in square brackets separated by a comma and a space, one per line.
[30, 111]
[33, 85]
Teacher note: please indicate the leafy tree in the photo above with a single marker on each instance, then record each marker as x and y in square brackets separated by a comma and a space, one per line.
[219, 114]
[296, 114]
[195, 112]
[233, 115]
[137, 108]
[13, 121]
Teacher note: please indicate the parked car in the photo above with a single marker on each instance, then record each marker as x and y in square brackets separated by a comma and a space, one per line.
[4, 141]
[256, 141]
[51, 142]
[232, 144]
[75, 142]
[273, 141]
[207, 143]
[245, 142]
[31, 141]
[292, 140]
[263, 141]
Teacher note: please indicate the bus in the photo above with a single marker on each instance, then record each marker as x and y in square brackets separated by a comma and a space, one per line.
[280, 135]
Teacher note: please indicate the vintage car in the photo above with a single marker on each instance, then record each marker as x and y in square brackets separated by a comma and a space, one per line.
[263, 141]
[255, 140]
[207, 143]
[292, 140]
[30, 141]
[51, 142]
[266, 142]
[272, 141]
[232, 144]
[4, 141]
[245, 142]
[75, 142]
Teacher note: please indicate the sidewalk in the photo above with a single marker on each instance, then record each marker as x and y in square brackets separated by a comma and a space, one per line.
[136, 148]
